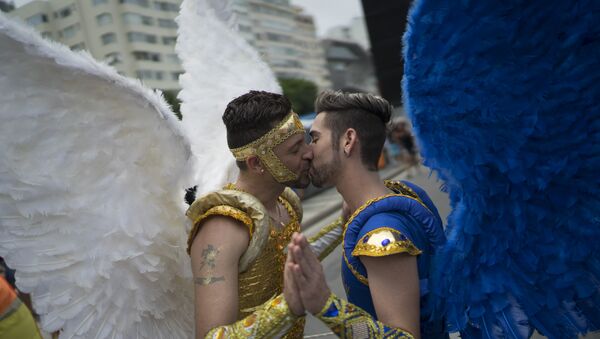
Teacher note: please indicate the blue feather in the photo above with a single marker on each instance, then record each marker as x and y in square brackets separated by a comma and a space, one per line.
[503, 96]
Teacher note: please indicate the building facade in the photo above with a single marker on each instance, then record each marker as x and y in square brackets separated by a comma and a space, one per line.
[137, 37]
[285, 37]
[355, 31]
[350, 66]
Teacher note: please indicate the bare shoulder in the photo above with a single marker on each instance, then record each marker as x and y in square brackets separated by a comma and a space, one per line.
[229, 236]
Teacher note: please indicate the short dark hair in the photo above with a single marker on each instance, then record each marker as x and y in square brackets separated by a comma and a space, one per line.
[366, 113]
[252, 115]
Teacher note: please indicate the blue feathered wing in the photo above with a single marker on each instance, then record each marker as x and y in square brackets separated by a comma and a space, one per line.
[505, 101]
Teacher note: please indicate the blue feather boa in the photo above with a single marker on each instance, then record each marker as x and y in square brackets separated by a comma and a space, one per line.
[505, 102]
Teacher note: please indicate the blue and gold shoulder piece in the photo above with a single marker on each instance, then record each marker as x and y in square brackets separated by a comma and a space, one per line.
[382, 242]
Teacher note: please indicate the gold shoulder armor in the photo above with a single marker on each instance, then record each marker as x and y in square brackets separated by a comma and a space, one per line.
[291, 197]
[384, 241]
[240, 206]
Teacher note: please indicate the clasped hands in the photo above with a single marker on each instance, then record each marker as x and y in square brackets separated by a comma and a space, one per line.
[305, 288]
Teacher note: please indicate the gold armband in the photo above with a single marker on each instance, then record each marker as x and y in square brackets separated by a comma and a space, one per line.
[349, 321]
[273, 319]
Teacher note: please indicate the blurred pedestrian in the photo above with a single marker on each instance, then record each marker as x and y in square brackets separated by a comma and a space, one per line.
[401, 146]
[16, 320]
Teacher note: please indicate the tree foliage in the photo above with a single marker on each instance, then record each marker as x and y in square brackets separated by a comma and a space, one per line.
[174, 102]
[302, 93]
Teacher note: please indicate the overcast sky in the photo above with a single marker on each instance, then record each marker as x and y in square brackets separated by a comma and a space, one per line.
[330, 13]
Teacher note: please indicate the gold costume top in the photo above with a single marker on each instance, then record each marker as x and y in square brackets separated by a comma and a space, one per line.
[262, 265]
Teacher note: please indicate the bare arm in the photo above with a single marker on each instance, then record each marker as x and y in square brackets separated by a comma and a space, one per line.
[215, 255]
[394, 286]
[346, 320]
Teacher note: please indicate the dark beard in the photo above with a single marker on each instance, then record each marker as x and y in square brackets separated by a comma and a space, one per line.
[323, 176]
[301, 182]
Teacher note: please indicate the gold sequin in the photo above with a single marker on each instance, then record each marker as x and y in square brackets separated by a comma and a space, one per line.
[407, 193]
[263, 148]
[350, 321]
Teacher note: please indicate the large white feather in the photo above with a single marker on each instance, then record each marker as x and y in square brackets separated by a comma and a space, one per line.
[92, 170]
[219, 66]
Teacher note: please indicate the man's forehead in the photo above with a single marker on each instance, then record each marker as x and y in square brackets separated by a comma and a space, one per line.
[317, 124]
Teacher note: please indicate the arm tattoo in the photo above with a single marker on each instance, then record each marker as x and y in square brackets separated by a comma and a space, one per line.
[209, 257]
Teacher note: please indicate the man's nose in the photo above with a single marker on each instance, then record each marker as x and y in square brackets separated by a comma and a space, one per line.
[308, 153]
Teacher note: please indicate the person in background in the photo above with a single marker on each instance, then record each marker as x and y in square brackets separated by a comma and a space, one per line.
[16, 320]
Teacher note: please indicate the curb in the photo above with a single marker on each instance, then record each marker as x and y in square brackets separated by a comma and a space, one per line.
[309, 222]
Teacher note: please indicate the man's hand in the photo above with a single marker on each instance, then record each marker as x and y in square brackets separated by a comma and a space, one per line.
[290, 289]
[308, 274]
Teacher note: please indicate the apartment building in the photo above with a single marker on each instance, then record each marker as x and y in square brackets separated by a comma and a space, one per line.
[137, 37]
[285, 37]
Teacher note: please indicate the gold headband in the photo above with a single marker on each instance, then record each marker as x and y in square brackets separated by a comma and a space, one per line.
[263, 148]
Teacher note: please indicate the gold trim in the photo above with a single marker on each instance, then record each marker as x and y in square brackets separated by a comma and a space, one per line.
[350, 320]
[404, 189]
[263, 148]
[377, 250]
[326, 230]
[229, 211]
[336, 223]
[356, 274]
[328, 303]
[224, 210]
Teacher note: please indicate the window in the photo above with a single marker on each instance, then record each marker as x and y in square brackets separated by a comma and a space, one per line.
[142, 3]
[244, 28]
[172, 59]
[280, 50]
[278, 37]
[175, 75]
[277, 26]
[78, 47]
[99, 2]
[146, 74]
[137, 19]
[37, 19]
[69, 32]
[47, 35]
[146, 56]
[113, 58]
[286, 63]
[166, 6]
[108, 38]
[169, 40]
[141, 37]
[64, 12]
[104, 19]
[167, 23]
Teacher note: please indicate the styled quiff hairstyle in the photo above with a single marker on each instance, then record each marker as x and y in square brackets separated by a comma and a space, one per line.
[367, 114]
[252, 115]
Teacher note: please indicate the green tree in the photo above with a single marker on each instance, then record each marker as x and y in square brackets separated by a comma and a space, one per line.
[174, 102]
[302, 93]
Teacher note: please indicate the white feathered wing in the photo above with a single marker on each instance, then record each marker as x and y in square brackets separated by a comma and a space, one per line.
[92, 172]
[219, 66]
